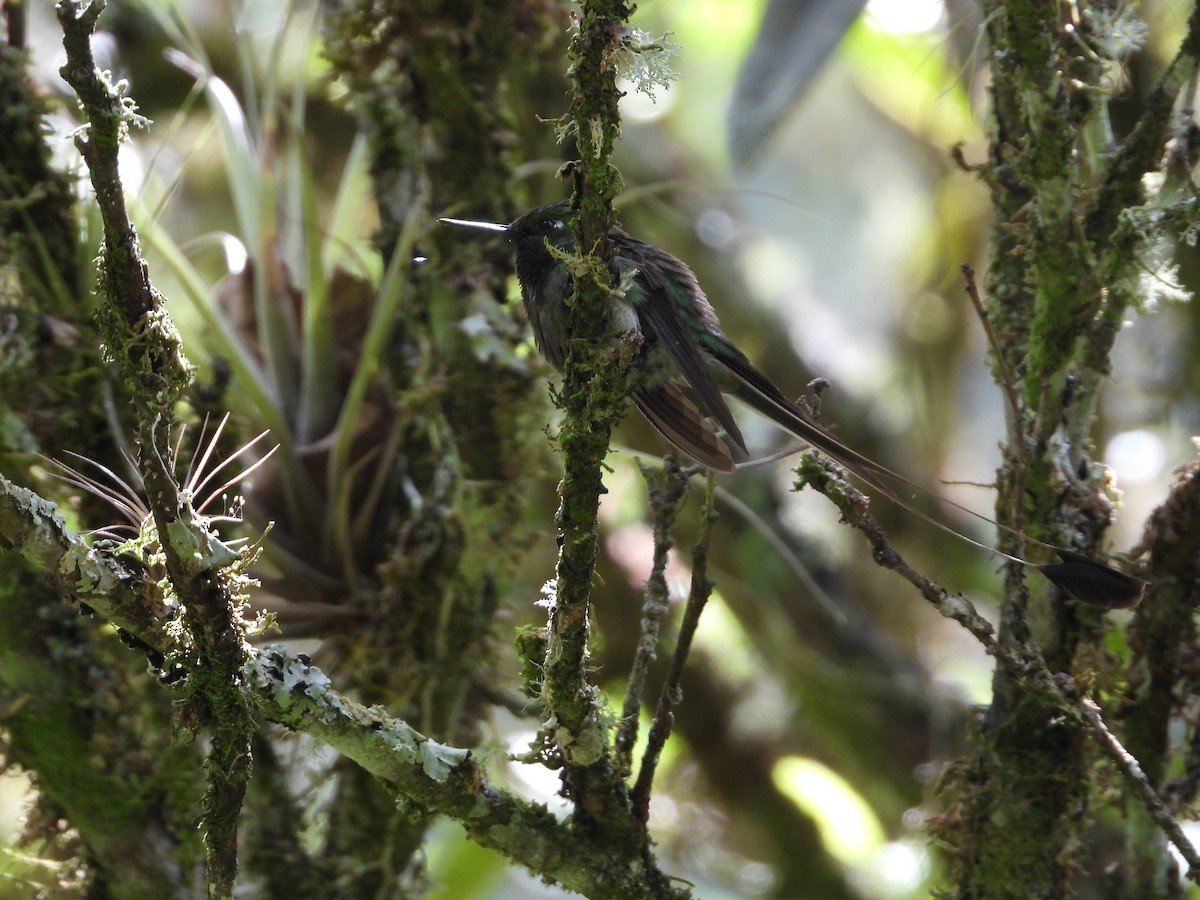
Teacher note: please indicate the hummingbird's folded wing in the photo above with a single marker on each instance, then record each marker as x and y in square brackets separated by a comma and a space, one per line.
[678, 420]
[661, 318]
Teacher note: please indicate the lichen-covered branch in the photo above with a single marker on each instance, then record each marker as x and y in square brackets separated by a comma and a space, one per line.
[110, 115]
[827, 478]
[1078, 224]
[292, 692]
[442, 779]
[592, 397]
[34, 528]
[141, 339]
[667, 487]
[1022, 663]
[670, 695]
[1127, 763]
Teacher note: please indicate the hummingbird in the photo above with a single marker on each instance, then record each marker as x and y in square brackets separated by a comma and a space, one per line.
[686, 364]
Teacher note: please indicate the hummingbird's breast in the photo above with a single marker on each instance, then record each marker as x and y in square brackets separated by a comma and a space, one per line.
[545, 288]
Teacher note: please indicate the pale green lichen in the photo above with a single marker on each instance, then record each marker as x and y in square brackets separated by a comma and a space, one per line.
[438, 760]
[645, 61]
[95, 576]
[549, 595]
[1119, 32]
[596, 129]
[294, 685]
[564, 130]
[283, 677]
[1162, 283]
[625, 282]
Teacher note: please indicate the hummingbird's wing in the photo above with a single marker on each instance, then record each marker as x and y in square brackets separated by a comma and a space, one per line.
[664, 295]
[678, 420]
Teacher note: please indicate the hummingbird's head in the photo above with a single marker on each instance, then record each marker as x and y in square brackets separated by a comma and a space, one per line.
[551, 223]
[533, 234]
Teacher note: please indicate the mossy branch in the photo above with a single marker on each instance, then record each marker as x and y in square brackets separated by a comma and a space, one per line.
[290, 691]
[592, 398]
[667, 487]
[121, 594]
[141, 339]
[1075, 233]
[1022, 663]
[670, 695]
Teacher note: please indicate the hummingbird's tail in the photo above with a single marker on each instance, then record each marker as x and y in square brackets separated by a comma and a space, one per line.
[1088, 580]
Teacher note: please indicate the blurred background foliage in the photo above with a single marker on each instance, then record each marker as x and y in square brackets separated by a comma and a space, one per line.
[801, 163]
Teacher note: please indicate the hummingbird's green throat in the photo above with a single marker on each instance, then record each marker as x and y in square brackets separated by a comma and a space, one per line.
[687, 364]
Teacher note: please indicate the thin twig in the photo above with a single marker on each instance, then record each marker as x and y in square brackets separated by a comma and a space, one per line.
[786, 553]
[668, 699]
[667, 487]
[827, 478]
[1006, 379]
[1023, 661]
[1132, 770]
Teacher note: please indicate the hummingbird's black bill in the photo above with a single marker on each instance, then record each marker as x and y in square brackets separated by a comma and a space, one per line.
[478, 226]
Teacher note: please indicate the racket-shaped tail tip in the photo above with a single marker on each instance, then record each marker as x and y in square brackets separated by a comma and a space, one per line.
[1094, 582]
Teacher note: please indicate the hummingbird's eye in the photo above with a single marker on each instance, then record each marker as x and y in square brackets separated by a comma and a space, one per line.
[547, 226]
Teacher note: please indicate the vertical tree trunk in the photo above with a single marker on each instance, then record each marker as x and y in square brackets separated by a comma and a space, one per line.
[433, 85]
[1063, 272]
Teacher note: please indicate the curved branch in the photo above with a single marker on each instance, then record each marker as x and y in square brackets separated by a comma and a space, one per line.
[292, 692]
[1023, 662]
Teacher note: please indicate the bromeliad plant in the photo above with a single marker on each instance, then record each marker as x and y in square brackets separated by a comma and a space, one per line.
[300, 324]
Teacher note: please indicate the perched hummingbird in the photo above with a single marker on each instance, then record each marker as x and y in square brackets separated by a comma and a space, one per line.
[683, 349]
